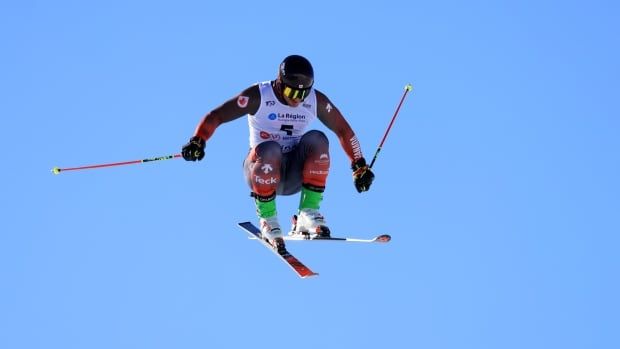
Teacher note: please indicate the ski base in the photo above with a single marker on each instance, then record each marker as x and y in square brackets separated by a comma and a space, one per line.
[287, 257]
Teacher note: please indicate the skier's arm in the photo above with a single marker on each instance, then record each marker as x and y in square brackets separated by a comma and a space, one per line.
[247, 102]
[333, 119]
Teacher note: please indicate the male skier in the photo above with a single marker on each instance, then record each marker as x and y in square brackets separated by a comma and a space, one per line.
[284, 159]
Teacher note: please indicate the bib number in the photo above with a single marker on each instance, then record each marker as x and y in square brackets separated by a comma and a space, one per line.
[288, 129]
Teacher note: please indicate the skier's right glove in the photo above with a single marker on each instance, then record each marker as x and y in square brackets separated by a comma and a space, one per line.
[194, 149]
[362, 175]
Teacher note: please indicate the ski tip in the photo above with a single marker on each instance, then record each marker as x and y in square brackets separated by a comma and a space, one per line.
[383, 238]
[309, 275]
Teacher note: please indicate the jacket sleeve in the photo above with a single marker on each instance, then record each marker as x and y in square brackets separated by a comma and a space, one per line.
[331, 117]
[247, 102]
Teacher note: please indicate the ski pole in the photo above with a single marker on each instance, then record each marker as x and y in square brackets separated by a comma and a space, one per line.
[57, 170]
[408, 88]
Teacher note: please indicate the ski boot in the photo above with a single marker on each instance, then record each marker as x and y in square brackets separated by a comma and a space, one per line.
[271, 232]
[310, 224]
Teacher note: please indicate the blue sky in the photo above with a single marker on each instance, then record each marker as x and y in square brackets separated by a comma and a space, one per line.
[498, 182]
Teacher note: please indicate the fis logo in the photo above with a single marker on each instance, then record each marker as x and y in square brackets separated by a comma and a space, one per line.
[270, 103]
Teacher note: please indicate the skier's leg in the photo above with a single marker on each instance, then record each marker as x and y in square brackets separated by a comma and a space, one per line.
[314, 147]
[262, 172]
[313, 154]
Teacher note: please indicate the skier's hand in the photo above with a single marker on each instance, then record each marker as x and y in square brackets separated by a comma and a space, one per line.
[362, 175]
[194, 149]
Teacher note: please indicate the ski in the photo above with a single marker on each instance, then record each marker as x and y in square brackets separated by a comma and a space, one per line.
[292, 261]
[293, 236]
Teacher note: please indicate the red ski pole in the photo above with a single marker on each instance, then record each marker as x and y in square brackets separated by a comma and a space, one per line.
[57, 170]
[408, 88]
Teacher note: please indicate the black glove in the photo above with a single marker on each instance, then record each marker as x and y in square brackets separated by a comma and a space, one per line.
[362, 175]
[194, 149]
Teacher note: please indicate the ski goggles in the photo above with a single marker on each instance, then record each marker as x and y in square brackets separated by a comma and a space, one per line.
[296, 93]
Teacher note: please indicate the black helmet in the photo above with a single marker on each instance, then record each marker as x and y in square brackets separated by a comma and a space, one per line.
[297, 76]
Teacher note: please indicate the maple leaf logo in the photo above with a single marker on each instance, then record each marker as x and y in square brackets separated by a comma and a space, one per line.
[242, 101]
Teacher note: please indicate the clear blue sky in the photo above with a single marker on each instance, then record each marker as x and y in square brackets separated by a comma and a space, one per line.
[499, 182]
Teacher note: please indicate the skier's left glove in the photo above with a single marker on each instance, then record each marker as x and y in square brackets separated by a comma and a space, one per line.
[362, 175]
[194, 149]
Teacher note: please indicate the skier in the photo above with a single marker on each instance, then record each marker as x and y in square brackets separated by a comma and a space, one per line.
[283, 158]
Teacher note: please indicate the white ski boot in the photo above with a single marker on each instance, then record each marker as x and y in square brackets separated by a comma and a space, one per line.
[271, 232]
[310, 222]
